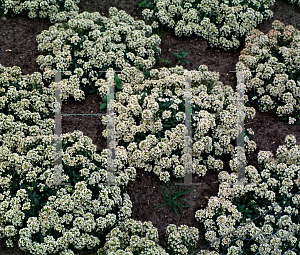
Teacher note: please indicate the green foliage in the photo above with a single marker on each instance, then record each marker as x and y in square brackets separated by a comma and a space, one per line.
[144, 4]
[172, 197]
[160, 60]
[145, 72]
[181, 56]
[248, 210]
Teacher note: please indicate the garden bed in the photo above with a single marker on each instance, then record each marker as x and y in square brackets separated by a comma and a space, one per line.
[18, 35]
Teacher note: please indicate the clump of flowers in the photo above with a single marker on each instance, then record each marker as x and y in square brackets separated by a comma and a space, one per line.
[56, 11]
[150, 120]
[90, 43]
[45, 211]
[181, 240]
[27, 106]
[271, 65]
[222, 23]
[132, 237]
[260, 215]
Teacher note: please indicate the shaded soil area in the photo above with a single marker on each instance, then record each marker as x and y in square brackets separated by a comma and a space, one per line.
[18, 34]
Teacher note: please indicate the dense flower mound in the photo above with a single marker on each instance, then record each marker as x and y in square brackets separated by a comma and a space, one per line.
[150, 119]
[42, 217]
[132, 237]
[181, 240]
[222, 23]
[136, 237]
[263, 214]
[90, 43]
[271, 65]
[56, 11]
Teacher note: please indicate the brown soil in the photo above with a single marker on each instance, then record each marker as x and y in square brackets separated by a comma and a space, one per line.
[18, 34]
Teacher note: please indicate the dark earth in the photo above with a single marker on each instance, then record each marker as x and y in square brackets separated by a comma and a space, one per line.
[18, 34]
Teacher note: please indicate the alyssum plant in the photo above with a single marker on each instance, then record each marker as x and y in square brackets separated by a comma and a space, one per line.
[150, 120]
[271, 66]
[135, 237]
[260, 216]
[89, 43]
[55, 11]
[35, 213]
[222, 23]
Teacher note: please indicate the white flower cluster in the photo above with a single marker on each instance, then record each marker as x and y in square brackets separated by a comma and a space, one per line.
[26, 106]
[132, 237]
[56, 11]
[222, 23]
[181, 241]
[90, 43]
[213, 103]
[31, 205]
[271, 63]
[262, 193]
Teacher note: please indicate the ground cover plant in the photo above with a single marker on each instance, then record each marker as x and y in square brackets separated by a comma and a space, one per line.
[272, 198]
[222, 23]
[118, 232]
[136, 237]
[35, 211]
[56, 11]
[271, 65]
[150, 120]
[87, 45]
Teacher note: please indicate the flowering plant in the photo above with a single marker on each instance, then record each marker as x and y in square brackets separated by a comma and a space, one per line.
[150, 117]
[136, 237]
[222, 23]
[132, 237]
[271, 65]
[43, 216]
[270, 197]
[56, 11]
[181, 240]
[90, 43]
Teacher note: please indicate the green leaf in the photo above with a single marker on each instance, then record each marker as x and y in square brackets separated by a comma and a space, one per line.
[248, 211]
[36, 203]
[118, 81]
[142, 3]
[103, 106]
[167, 61]
[176, 54]
[154, 48]
[33, 195]
[104, 99]
[242, 207]
[183, 54]
[250, 203]
[167, 104]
